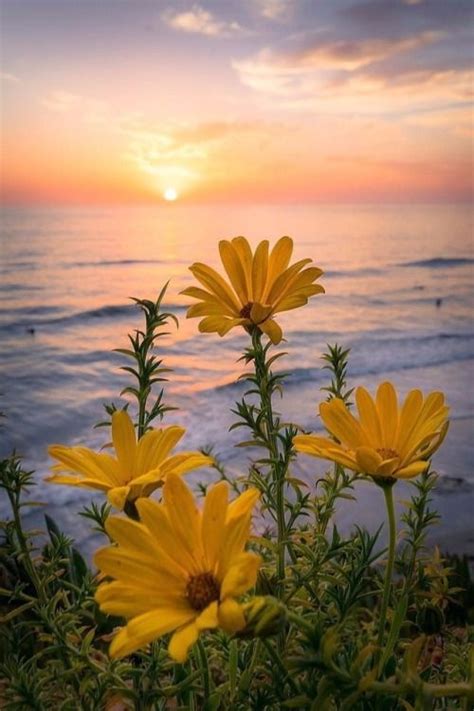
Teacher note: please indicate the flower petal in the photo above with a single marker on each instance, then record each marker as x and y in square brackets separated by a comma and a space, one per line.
[123, 436]
[213, 281]
[183, 516]
[147, 627]
[339, 421]
[241, 576]
[234, 268]
[387, 408]
[369, 417]
[368, 460]
[213, 520]
[412, 470]
[272, 330]
[259, 270]
[181, 641]
[118, 496]
[231, 616]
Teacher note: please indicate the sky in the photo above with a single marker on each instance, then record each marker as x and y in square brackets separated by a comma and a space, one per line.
[276, 101]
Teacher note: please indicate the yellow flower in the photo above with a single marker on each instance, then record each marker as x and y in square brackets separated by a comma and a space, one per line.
[386, 440]
[261, 285]
[138, 468]
[180, 569]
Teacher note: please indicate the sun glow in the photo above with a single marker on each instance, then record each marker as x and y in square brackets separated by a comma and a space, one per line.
[170, 194]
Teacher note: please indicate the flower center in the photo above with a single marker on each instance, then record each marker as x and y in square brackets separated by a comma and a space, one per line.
[245, 310]
[201, 590]
[387, 453]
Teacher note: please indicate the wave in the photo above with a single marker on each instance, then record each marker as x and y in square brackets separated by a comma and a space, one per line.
[368, 271]
[25, 265]
[103, 312]
[439, 262]
[375, 356]
[111, 263]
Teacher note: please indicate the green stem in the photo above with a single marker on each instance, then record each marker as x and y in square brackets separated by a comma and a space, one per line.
[22, 540]
[387, 488]
[206, 677]
[262, 373]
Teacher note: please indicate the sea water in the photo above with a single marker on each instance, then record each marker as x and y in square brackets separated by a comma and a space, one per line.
[399, 294]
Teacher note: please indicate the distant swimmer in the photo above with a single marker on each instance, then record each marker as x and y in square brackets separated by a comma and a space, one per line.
[31, 330]
[438, 302]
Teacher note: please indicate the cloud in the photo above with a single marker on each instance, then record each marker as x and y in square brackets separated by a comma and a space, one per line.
[275, 9]
[10, 78]
[200, 21]
[64, 102]
[392, 16]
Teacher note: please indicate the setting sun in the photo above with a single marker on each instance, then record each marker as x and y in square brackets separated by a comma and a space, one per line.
[170, 194]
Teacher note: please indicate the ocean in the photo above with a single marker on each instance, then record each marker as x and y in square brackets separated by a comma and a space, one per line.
[399, 294]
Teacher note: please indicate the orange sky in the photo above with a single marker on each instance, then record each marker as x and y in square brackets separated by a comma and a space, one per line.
[261, 100]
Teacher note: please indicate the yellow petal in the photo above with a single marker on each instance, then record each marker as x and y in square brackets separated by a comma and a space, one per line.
[231, 616]
[207, 308]
[437, 442]
[241, 576]
[219, 324]
[118, 496]
[388, 467]
[173, 553]
[412, 470]
[278, 261]
[185, 462]
[181, 641]
[387, 408]
[147, 627]
[408, 416]
[369, 417]
[77, 481]
[123, 436]
[259, 312]
[259, 270]
[283, 282]
[208, 618]
[216, 285]
[148, 569]
[154, 447]
[339, 421]
[368, 460]
[272, 330]
[243, 504]
[213, 520]
[118, 598]
[183, 516]
[236, 534]
[234, 268]
[244, 252]
[86, 462]
[325, 449]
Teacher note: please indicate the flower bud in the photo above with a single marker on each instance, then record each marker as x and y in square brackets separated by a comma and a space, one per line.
[264, 615]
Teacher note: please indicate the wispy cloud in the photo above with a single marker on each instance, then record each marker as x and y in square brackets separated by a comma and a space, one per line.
[63, 102]
[10, 78]
[275, 9]
[201, 21]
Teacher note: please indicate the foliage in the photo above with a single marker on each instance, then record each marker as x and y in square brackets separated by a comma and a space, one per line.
[324, 630]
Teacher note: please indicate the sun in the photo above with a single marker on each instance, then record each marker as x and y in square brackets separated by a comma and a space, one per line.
[170, 194]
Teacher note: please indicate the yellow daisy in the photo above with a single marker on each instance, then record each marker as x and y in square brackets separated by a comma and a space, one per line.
[178, 570]
[261, 285]
[386, 440]
[138, 467]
